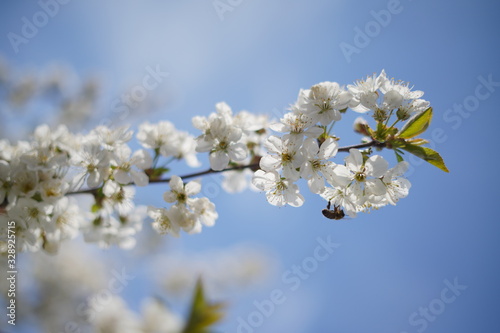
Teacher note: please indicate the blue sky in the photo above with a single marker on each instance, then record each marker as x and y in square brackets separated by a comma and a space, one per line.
[390, 263]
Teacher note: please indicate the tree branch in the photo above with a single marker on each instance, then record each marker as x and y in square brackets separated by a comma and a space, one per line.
[93, 191]
[372, 143]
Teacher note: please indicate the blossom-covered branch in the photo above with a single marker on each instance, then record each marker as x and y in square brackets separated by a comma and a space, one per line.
[252, 166]
[40, 178]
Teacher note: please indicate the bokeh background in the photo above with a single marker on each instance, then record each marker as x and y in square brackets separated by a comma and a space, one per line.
[256, 55]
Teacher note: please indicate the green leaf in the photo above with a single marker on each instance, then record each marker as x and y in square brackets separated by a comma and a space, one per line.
[416, 125]
[399, 157]
[156, 173]
[95, 208]
[426, 154]
[203, 314]
[417, 141]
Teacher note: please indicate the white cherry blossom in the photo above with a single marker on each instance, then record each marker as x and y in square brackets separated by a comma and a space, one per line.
[124, 173]
[220, 137]
[205, 209]
[161, 221]
[279, 190]
[297, 125]
[364, 92]
[284, 153]
[112, 138]
[95, 164]
[324, 102]
[180, 192]
[118, 197]
[397, 186]
[53, 189]
[360, 178]
[339, 196]
[316, 162]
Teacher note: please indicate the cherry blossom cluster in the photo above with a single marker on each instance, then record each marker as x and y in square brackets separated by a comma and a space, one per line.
[232, 140]
[39, 178]
[229, 139]
[306, 147]
[186, 213]
[32, 184]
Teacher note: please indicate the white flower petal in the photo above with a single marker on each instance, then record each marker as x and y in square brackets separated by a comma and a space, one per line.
[316, 184]
[339, 176]
[234, 134]
[310, 147]
[122, 177]
[139, 177]
[275, 199]
[142, 159]
[274, 144]
[396, 171]
[110, 188]
[193, 188]
[293, 197]
[375, 187]
[219, 160]
[176, 184]
[278, 127]
[354, 161]
[314, 132]
[169, 196]
[328, 149]
[270, 162]
[94, 179]
[376, 166]
[263, 180]
[237, 152]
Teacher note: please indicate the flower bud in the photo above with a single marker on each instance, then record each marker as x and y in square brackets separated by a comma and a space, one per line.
[380, 115]
[403, 114]
[361, 126]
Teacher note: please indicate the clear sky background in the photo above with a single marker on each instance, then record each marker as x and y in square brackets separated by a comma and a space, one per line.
[256, 57]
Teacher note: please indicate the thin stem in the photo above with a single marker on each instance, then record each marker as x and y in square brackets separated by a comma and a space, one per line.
[157, 156]
[389, 117]
[397, 120]
[331, 127]
[372, 143]
[170, 160]
[239, 167]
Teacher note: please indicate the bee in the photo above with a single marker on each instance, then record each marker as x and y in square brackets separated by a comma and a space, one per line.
[334, 214]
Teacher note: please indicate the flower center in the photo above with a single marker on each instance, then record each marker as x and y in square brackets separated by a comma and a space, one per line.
[316, 164]
[281, 186]
[286, 158]
[324, 107]
[181, 197]
[223, 145]
[33, 212]
[27, 187]
[125, 166]
[360, 176]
